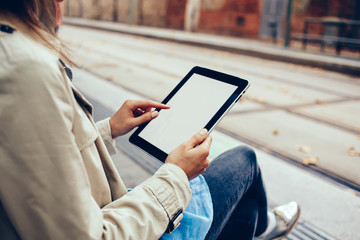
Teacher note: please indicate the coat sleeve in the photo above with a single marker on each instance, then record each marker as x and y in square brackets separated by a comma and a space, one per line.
[44, 186]
[105, 132]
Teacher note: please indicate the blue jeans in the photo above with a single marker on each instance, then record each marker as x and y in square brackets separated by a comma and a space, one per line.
[238, 195]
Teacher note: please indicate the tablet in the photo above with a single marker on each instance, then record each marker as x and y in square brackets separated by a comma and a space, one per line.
[199, 101]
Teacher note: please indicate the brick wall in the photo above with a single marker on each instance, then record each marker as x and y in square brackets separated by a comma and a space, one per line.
[152, 13]
[175, 12]
[241, 17]
[228, 17]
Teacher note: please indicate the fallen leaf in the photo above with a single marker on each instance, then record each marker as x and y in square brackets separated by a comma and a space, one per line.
[275, 132]
[310, 161]
[304, 149]
[352, 152]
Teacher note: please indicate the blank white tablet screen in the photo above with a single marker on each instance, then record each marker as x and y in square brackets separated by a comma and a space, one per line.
[192, 107]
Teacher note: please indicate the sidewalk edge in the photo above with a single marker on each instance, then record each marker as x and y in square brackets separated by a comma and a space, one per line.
[346, 66]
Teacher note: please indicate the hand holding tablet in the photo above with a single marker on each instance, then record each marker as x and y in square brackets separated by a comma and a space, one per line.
[191, 156]
[199, 101]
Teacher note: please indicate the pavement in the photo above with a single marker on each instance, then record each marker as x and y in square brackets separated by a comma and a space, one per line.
[327, 206]
[232, 44]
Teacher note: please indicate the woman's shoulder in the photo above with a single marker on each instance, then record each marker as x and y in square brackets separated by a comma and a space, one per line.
[21, 44]
[28, 66]
[16, 48]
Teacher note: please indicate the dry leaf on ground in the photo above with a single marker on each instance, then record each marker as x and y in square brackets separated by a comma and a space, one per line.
[310, 161]
[318, 101]
[275, 132]
[352, 152]
[304, 149]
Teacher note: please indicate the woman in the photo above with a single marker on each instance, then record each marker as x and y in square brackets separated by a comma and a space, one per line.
[57, 179]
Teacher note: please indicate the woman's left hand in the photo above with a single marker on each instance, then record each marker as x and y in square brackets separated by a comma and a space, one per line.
[132, 114]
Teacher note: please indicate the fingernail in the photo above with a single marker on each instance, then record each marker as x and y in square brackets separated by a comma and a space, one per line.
[154, 114]
[203, 131]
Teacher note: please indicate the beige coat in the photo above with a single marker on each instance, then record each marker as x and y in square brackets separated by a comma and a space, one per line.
[57, 179]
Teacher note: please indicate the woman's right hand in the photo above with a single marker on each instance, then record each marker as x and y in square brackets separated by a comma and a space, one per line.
[191, 156]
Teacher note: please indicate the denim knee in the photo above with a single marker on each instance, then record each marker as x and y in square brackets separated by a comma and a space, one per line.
[247, 154]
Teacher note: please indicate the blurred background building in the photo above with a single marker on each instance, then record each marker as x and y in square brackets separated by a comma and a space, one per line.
[246, 18]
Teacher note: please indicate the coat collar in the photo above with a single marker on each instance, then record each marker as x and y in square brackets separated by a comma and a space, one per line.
[82, 100]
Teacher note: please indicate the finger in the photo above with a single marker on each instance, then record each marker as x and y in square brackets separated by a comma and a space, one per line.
[138, 112]
[145, 117]
[145, 104]
[203, 149]
[197, 138]
[207, 143]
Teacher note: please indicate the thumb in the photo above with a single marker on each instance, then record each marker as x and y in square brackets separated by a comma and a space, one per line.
[197, 138]
[145, 117]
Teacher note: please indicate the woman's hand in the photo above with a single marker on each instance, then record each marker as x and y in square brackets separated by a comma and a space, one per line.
[132, 114]
[192, 155]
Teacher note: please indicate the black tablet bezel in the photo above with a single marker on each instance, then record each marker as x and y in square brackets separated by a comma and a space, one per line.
[241, 84]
